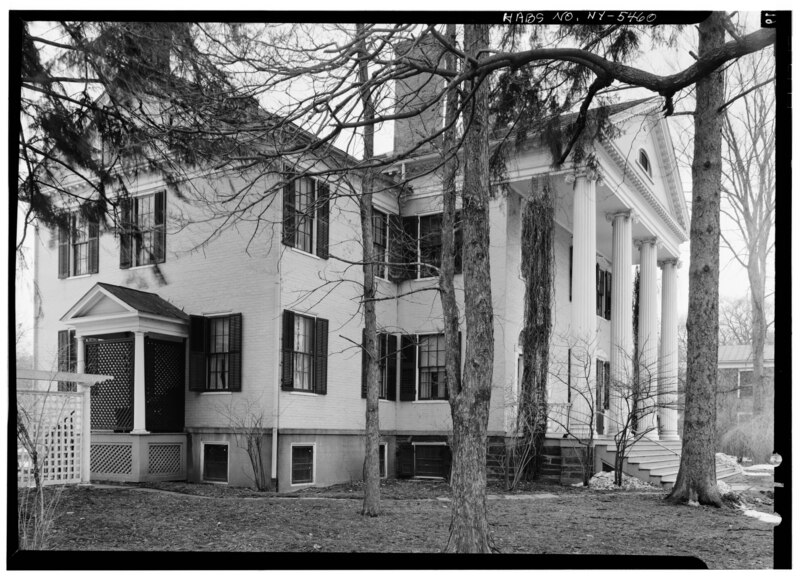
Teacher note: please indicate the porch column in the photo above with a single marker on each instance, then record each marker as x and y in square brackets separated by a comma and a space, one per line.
[584, 312]
[621, 320]
[139, 426]
[86, 413]
[668, 357]
[648, 337]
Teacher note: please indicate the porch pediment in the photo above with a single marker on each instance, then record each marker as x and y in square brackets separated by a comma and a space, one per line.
[107, 308]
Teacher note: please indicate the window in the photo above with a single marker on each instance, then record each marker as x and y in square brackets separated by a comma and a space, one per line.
[382, 460]
[215, 462]
[644, 162]
[302, 464]
[745, 384]
[603, 396]
[432, 370]
[215, 351]
[306, 215]
[387, 349]
[421, 241]
[305, 353]
[603, 292]
[78, 247]
[143, 236]
[67, 358]
[431, 460]
[380, 241]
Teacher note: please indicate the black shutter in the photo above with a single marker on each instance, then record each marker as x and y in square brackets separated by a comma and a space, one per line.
[382, 340]
[599, 283]
[405, 460]
[569, 375]
[363, 362]
[198, 342]
[323, 218]
[288, 211]
[391, 367]
[63, 251]
[287, 345]
[395, 248]
[321, 356]
[598, 405]
[570, 273]
[94, 247]
[459, 242]
[408, 368]
[235, 353]
[160, 231]
[409, 247]
[63, 350]
[125, 236]
[607, 383]
[608, 295]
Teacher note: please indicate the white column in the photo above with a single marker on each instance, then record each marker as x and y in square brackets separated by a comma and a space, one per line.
[621, 320]
[86, 414]
[648, 336]
[139, 426]
[584, 293]
[668, 357]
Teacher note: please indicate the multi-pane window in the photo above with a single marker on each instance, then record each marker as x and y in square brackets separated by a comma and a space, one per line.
[78, 247]
[306, 215]
[303, 349]
[387, 366]
[303, 464]
[745, 383]
[603, 293]
[421, 241]
[380, 241]
[143, 237]
[215, 348]
[218, 351]
[432, 369]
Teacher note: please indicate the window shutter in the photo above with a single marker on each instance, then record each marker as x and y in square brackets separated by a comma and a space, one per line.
[363, 362]
[608, 295]
[607, 383]
[198, 342]
[599, 281]
[410, 247]
[287, 368]
[63, 251]
[569, 375]
[395, 248]
[235, 353]
[160, 232]
[321, 356]
[323, 218]
[391, 367]
[63, 350]
[288, 211]
[94, 247]
[382, 344]
[570, 273]
[408, 368]
[405, 460]
[598, 406]
[125, 236]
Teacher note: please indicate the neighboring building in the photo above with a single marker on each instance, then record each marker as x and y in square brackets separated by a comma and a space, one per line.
[256, 324]
[735, 382]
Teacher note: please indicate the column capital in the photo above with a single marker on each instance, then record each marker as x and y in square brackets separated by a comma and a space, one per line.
[670, 261]
[591, 174]
[639, 242]
[611, 216]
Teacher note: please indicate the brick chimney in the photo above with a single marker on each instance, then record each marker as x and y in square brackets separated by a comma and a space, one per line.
[414, 92]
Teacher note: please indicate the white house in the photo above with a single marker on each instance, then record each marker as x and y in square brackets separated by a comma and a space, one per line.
[258, 323]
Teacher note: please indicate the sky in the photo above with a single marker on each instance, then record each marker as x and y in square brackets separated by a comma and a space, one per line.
[733, 280]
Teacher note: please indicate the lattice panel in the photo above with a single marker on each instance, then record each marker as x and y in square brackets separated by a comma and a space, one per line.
[112, 401]
[52, 429]
[112, 459]
[164, 385]
[164, 459]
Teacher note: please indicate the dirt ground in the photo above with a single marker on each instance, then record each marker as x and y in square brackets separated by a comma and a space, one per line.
[541, 519]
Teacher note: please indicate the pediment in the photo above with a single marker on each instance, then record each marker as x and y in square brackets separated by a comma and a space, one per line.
[104, 306]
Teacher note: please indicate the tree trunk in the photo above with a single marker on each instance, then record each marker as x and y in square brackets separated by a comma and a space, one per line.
[372, 474]
[697, 479]
[756, 272]
[469, 526]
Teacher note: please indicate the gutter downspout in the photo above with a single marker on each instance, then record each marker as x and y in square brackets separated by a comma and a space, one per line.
[277, 372]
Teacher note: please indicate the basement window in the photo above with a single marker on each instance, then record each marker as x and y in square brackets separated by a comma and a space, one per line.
[215, 462]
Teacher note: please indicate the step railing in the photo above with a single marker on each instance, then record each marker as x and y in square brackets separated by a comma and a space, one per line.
[654, 441]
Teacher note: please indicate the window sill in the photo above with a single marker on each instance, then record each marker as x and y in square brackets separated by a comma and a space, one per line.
[215, 392]
[78, 277]
[301, 393]
[437, 401]
[141, 267]
[303, 252]
[303, 484]
[222, 482]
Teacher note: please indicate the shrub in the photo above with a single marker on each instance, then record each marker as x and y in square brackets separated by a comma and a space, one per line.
[752, 439]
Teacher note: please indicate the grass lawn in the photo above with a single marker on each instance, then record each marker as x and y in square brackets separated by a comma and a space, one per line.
[543, 520]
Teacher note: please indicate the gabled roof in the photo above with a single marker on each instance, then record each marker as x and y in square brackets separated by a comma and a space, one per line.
[145, 301]
[743, 354]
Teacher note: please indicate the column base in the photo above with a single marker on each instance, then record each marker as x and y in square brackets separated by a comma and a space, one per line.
[651, 435]
[666, 436]
[138, 432]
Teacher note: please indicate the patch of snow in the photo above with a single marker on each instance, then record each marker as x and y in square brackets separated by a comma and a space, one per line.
[723, 488]
[727, 461]
[578, 484]
[605, 481]
[748, 473]
[763, 516]
[760, 467]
